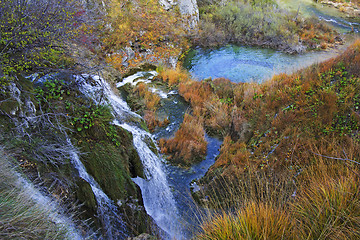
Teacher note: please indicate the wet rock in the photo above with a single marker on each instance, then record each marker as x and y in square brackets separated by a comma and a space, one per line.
[167, 4]
[86, 197]
[173, 61]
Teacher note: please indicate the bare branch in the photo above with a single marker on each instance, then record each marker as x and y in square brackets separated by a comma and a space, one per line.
[336, 158]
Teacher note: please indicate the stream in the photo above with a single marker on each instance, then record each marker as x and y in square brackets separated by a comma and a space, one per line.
[181, 179]
[166, 190]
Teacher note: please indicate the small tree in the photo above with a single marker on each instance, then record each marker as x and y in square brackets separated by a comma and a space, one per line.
[33, 33]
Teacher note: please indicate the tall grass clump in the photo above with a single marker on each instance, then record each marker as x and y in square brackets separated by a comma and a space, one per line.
[250, 205]
[173, 76]
[328, 203]
[188, 145]
[253, 221]
[21, 217]
[237, 185]
[322, 202]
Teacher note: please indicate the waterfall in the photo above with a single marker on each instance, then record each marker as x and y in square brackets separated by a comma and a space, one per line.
[56, 213]
[108, 213]
[158, 198]
[97, 93]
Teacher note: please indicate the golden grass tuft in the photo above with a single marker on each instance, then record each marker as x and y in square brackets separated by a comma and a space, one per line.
[151, 100]
[173, 76]
[328, 201]
[253, 221]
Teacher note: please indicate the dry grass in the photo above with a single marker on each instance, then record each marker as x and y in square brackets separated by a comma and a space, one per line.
[21, 217]
[306, 138]
[173, 76]
[151, 100]
[253, 221]
[153, 121]
[325, 205]
[188, 145]
[328, 201]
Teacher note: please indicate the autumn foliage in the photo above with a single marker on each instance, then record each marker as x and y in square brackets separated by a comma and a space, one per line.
[153, 33]
[302, 159]
[279, 126]
[188, 145]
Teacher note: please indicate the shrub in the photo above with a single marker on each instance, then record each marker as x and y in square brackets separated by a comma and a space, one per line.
[147, 26]
[261, 23]
[33, 34]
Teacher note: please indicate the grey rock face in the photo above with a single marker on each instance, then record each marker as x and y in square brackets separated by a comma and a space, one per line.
[167, 4]
[190, 9]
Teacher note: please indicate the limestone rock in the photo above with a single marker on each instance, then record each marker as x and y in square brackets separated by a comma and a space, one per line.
[189, 8]
[167, 4]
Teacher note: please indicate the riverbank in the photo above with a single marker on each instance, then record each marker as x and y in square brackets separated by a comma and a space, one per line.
[289, 142]
[351, 9]
[261, 23]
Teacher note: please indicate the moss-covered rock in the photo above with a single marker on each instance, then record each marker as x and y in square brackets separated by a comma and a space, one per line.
[9, 106]
[107, 151]
[86, 196]
[110, 157]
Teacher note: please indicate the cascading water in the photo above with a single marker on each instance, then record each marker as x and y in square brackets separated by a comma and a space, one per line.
[97, 93]
[109, 216]
[158, 199]
[56, 213]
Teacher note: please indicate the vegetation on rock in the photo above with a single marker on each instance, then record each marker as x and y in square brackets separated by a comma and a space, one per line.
[21, 217]
[259, 23]
[138, 32]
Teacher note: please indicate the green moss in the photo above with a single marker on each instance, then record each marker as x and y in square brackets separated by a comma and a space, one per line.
[144, 126]
[86, 196]
[112, 165]
[9, 105]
